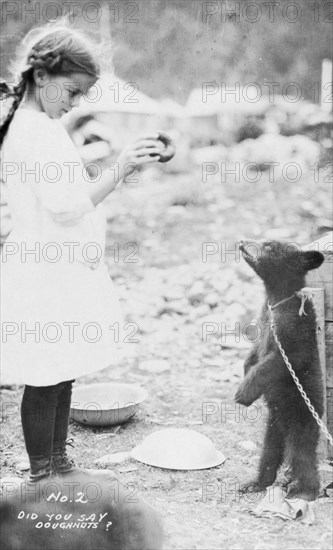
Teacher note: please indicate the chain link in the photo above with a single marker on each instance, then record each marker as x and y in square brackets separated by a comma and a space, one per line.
[299, 385]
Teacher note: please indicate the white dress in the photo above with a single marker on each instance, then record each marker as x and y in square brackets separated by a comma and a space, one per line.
[60, 317]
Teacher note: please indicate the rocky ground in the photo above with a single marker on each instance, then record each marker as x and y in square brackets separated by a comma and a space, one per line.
[172, 252]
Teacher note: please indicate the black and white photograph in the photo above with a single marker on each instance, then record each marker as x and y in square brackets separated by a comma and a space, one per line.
[166, 253]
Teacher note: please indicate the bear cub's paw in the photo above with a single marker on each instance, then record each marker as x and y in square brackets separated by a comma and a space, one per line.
[246, 394]
[296, 490]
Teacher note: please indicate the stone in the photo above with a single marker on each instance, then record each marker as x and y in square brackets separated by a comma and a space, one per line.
[212, 299]
[155, 365]
[23, 466]
[248, 445]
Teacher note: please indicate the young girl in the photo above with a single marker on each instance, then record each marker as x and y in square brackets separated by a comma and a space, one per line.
[59, 307]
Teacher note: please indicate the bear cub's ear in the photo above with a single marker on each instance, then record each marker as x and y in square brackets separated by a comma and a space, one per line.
[312, 259]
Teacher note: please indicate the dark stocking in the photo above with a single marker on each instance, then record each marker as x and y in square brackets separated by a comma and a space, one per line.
[45, 414]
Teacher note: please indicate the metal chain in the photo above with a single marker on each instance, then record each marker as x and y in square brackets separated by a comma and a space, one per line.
[299, 385]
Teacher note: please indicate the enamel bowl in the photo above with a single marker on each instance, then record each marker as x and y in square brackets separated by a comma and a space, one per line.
[106, 404]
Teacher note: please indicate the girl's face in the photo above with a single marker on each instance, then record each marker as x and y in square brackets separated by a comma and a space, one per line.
[56, 95]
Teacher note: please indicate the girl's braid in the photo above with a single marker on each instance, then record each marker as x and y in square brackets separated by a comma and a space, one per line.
[18, 94]
[52, 60]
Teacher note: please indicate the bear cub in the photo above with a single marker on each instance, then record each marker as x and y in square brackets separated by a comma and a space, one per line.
[292, 434]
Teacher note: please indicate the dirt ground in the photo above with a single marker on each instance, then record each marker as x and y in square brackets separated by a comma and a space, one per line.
[169, 293]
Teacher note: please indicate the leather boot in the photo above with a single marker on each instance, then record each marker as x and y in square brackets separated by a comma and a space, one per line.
[40, 468]
[61, 463]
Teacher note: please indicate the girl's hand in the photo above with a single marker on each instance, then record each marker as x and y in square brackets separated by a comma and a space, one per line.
[143, 150]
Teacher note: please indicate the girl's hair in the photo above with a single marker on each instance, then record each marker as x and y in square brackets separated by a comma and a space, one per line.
[58, 50]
